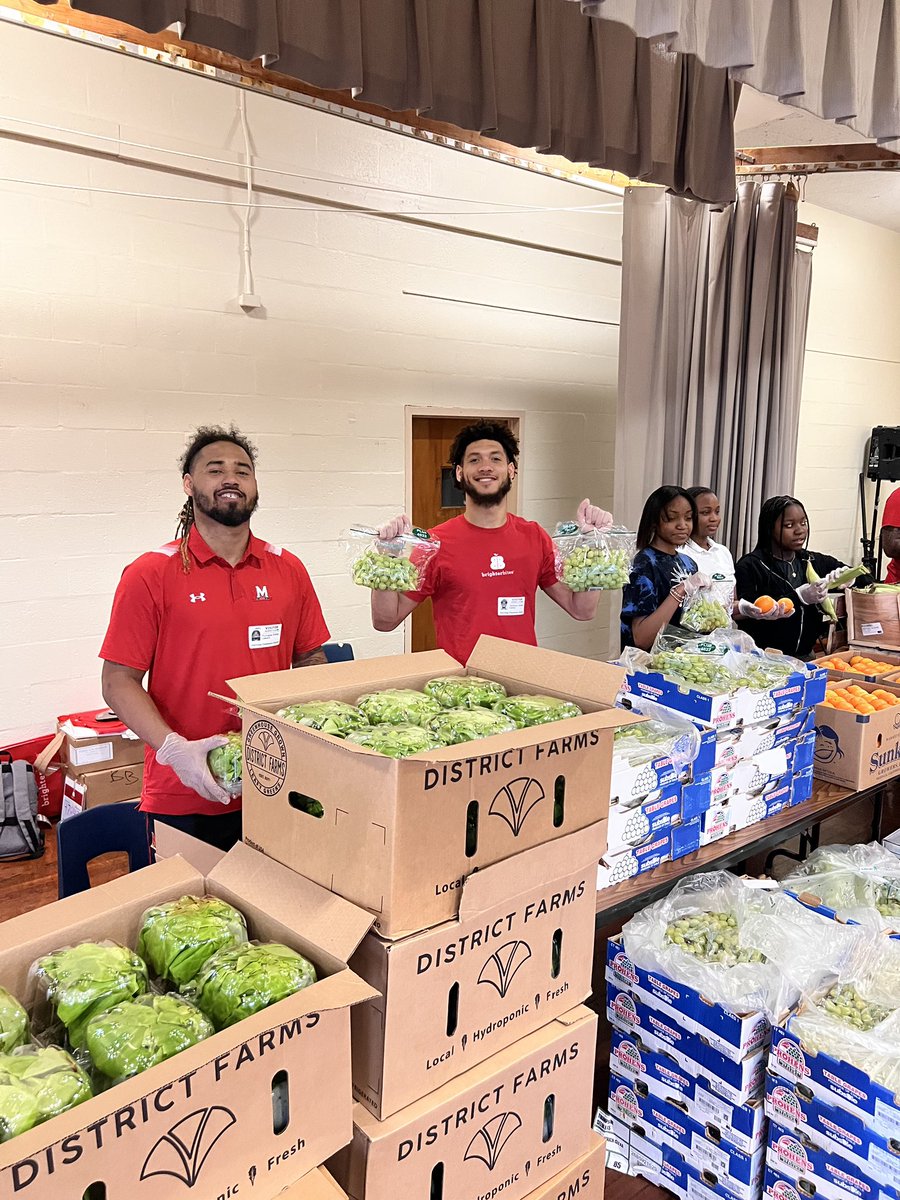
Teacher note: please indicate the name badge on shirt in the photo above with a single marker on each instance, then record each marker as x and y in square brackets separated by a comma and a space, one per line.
[261, 636]
[510, 606]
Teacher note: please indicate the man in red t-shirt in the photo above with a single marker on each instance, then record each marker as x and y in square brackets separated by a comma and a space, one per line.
[491, 563]
[214, 605]
[890, 536]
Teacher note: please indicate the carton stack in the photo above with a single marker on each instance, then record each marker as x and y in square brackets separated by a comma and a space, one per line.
[473, 1071]
[687, 1080]
[102, 759]
[758, 747]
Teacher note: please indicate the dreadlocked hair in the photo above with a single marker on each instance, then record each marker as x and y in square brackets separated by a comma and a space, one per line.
[205, 436]
[183, 532]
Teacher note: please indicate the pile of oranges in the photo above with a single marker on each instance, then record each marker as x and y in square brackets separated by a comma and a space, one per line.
[857, 700]
[858, 665]
[766, 604]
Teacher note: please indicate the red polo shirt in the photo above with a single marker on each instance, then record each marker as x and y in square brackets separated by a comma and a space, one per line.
[891, 519]
[193, 631]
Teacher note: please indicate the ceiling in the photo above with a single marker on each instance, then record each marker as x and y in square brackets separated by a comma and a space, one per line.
[872, 196]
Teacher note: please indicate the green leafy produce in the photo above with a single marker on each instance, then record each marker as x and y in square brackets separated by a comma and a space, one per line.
[227, 764]
[526, 711]
[398, 706]
[138, 1034]
[396, 741]
[236, 983]
[329, 716]
[385, 572]
[14, 1029]
[177, 937]
[37, 1083]
[464, 691]
[713, 937]
[845, 1003]
[87, 979]
[704, 614]
[456, 725]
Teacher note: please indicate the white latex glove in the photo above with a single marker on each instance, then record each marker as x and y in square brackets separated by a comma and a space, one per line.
[829, 579]
[813, 593]
[752, 613]
[695, 583]
[393, 529]
[188, 761]
[589, 517]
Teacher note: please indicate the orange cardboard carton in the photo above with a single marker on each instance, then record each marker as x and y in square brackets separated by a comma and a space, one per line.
[505, 1125]
[518, 954]
[400, 837]
[249, 1110]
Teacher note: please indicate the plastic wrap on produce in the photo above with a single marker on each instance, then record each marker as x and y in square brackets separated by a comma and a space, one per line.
[855, 1014]
[592, 560]
[749, 949]
[395, 565]
[859, 883]
[663, 734]
[716, 663]
[708, 609]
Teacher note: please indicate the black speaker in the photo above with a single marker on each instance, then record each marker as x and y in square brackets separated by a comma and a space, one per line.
[884, 453]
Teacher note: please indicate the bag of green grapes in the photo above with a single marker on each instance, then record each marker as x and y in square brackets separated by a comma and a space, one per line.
[709, 609]
[398, 565]
[592, 561]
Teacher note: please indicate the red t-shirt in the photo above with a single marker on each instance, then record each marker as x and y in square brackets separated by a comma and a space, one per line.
[485, 581]
[194, 631]
[892, 518]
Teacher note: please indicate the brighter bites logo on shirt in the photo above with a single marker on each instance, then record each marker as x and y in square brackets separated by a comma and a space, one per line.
[498, 562]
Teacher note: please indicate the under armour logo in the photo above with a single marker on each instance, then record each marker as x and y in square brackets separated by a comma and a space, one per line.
[197, 596]
[262, 593]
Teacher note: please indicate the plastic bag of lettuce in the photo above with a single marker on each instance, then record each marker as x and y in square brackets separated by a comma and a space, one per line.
[14, 1030]
[464, 691]
[177, 937]
[526, 711]
[457, 725]
[398, 706]
[37, 1083]
[226, 764]
[235, 983]
[138, 1034]
[328, 716]
[395, 741]
[75, 983]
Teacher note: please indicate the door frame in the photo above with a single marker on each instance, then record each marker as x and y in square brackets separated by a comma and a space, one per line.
[435, 410]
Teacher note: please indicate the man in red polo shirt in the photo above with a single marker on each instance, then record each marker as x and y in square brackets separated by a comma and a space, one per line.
[890, 536]
[491, 563]
[216, 604]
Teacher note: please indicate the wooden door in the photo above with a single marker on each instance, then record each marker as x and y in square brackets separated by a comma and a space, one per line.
[435, 495]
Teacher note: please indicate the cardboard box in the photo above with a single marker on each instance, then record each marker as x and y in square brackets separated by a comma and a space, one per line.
[584, 1179]
[855, 750]
[889, 657]
[399, 837]
[95, 740]
[839, 1133]
[203, 1120]
[616, 868]
[750, 776]
[816, 1172]
[685, 837]
[736, 1082]
[94, 788]
[666, 1124]
[740, 1126]
[506, 1124]
[518, 955]
[317, 1185]
[733, 1034]
[632, 825]
[781, 1185]
[836, 1082]
[736, 745]
[873, 621]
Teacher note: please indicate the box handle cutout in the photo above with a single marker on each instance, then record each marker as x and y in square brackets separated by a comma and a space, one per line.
[471, 828]
[306, 804]
[452, 1009]
[806, 1188]
[96, 1191]
[559, 801]
[556, 954]
[549, 1118]
[281, 1102]
[437, 1182]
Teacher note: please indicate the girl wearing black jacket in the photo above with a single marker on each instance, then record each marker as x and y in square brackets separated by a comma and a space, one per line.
[776, 567]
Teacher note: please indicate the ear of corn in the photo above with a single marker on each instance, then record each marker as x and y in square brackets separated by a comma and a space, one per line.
[826, 606]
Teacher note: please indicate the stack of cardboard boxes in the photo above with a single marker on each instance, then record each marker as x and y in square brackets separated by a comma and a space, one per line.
[687, 1080]
[473, 1071]
[755, 759]
[102, 759]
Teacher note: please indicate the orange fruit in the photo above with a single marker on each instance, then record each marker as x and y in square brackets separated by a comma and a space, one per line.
[787, 604]
[765, 604]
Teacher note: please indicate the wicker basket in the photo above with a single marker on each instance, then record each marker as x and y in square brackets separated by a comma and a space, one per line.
[873, 619]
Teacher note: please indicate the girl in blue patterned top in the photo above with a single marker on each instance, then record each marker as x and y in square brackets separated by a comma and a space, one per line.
[662, 577]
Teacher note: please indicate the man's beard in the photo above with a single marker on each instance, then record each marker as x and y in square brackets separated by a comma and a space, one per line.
[231, 513]
[486, 499]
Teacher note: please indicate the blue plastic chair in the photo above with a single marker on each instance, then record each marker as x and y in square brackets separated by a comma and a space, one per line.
[338, 651]
[103, 830]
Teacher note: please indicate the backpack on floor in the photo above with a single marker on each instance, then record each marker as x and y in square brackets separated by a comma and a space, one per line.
[20, 835]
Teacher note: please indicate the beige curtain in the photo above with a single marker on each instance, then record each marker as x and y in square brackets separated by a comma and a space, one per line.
[533, 73]
[713, 333]
[839, 59]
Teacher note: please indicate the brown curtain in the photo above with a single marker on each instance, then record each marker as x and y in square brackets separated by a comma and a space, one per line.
[533, 73]
[713, 334]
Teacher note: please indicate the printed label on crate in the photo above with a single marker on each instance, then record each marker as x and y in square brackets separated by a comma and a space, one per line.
[711, 1106]
[887, 1118]
[708, 1156]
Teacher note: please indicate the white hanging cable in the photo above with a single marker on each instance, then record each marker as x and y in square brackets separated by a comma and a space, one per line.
[247, 287]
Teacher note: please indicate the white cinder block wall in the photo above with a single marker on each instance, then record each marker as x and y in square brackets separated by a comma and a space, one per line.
[117, 336]
[851, 380]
